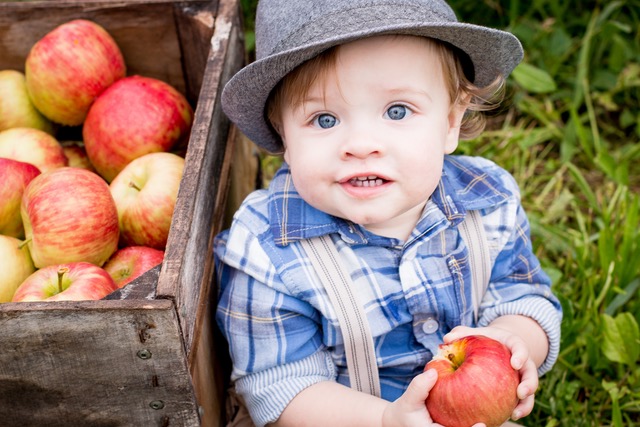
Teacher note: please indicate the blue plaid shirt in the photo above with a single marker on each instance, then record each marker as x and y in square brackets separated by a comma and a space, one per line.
[282, 330]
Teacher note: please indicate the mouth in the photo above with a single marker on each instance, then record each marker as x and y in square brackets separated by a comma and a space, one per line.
[366, 185]
[367, 181]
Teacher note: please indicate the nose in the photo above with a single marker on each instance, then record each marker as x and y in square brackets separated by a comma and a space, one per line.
[361, 144]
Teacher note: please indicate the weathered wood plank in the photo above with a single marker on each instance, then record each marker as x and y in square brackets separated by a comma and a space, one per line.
[195, 23]
[188, 259]
[94, 363]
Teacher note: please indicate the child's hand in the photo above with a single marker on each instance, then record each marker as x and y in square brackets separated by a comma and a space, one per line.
[520, 360]
[410, 409]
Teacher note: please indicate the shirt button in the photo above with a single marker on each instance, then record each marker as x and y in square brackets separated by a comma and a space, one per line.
[430, 326]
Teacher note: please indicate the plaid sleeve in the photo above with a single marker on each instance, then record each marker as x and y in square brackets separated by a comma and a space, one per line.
[275, 339]
[518, 284]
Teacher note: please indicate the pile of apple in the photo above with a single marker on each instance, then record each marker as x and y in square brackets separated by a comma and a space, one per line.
[80, 219]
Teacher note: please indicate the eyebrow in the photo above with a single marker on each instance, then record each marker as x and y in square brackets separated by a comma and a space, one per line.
[313, 99]
[408, 90]
[395, 91]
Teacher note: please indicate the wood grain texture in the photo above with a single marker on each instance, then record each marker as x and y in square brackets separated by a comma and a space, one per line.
[94, 363]
[187, 271]
[188, 264]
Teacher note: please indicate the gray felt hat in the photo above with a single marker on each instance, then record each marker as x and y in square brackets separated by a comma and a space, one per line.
[289, 32]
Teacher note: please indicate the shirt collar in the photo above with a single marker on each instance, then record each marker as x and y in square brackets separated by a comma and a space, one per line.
[291, 218]
[463, 186]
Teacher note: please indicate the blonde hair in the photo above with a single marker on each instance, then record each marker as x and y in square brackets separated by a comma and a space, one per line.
[294, 87]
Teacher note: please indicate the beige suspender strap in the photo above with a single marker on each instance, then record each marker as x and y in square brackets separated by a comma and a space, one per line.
[358, 342]
[473, 234]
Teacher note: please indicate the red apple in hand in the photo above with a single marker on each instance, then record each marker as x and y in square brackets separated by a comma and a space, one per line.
[476, 383]
[16, 108]
[74, 281]
[69, 67]
[32, 146]
[69, 216]
[15, 264]
[131, 262]
[14, 176]
[135, 116]
[145, 193]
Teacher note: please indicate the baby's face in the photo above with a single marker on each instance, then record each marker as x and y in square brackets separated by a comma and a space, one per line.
[368, 142]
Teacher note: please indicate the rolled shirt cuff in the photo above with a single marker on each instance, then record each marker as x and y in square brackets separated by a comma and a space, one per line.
[539, 309]
[267, 393]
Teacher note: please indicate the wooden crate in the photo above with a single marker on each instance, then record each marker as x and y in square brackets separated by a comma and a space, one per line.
[146, 356]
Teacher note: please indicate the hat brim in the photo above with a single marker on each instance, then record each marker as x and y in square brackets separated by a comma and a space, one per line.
[492, 53]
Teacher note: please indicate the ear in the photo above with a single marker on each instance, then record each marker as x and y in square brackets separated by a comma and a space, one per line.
[455, 120]
[285, 151]
[277, 126]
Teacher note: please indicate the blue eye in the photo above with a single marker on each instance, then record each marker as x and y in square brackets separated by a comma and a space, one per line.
[325, 121]
[397, 112]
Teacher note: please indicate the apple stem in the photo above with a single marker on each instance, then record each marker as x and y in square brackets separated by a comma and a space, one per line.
[61, 272]
[23, 244]
[133, 185]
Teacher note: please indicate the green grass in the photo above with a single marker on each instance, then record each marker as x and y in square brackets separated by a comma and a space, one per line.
[570, 134]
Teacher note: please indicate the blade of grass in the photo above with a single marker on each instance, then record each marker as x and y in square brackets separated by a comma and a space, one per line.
[584, 186]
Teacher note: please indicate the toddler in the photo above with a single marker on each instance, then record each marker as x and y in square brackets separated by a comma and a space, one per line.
[367, 100]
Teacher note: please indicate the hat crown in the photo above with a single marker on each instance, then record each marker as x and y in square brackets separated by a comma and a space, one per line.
[285, 24]
[290, 32]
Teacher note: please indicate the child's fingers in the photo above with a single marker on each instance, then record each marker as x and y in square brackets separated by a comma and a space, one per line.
[528, 380]
[524, 407]
[410, 408]
[420, 387]
[459, 332]
[519, 355]
[526, 390]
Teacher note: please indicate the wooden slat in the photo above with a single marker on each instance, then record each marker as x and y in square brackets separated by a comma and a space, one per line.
[195, 25]
[98, 363]
[187, 270]
[187, 267]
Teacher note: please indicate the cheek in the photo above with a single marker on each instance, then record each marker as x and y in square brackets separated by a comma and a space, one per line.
[305, 154]
[310, 187]
[423, 160]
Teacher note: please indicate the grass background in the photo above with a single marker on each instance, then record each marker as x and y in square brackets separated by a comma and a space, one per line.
[569, 133]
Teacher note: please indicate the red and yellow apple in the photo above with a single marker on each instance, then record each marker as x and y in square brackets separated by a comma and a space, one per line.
[16, 108]
[132, 262]
[476, 383]
[77, 155]
[69, 67]
[75, 281]
[134, 116]
[32, 146]
[15, 264]
[14, 176]
[145, 193]
[69, 216]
